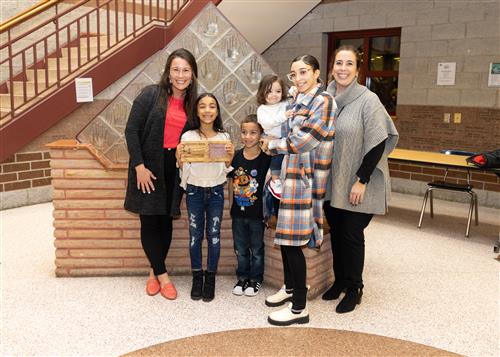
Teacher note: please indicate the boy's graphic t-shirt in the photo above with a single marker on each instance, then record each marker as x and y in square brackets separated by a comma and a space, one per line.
[248, 182]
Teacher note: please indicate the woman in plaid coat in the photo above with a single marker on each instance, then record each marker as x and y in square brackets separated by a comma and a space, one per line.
[307, 146]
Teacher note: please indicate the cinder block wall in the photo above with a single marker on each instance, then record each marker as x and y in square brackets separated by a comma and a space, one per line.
[94, 235]
[461, 31]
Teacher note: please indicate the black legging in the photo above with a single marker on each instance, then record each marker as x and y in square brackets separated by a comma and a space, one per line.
[348, 244]
[294, 270]
[156, 236]
[156, 230]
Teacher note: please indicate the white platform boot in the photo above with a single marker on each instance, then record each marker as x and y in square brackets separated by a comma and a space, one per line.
[279, 298]
[285, 317]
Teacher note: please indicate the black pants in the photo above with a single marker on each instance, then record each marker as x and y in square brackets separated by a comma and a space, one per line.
[156, 236]
[156, 230]
[294, 270]
[348, 244]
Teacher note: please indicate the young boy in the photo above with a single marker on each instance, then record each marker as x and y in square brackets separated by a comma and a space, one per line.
[248, 178]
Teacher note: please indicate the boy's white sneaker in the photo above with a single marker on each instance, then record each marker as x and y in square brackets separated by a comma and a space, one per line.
[279, 298]
[285, 317]
[252, 288]
[240, 287]
[275, 187]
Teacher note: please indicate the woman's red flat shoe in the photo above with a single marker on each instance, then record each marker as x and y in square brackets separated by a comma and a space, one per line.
[168, 291]
[152, 286]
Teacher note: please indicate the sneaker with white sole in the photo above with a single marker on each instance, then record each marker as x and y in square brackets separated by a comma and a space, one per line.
[240, 286]
[275, 187]
[286, 317]
[252, 288]
[279, 298]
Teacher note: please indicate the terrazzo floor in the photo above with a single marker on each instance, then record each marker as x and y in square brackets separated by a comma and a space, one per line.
[431, 286]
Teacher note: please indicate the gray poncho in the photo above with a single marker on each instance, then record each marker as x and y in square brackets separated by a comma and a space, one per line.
[361, 123]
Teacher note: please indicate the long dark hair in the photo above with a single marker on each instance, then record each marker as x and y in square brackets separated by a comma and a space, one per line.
[309, 60]
[218, 126]
[166, 87]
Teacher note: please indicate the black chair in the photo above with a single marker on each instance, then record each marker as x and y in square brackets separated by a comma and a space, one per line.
[443, 185]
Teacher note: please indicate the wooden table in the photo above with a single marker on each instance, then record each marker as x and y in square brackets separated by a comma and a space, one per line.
[431, 158]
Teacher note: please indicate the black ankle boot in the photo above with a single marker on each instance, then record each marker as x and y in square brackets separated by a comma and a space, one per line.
[334, 292]
[351, 299]
[197, 287]
[209, 286]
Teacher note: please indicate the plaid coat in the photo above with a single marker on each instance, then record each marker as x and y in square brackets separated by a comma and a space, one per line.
[308, 148]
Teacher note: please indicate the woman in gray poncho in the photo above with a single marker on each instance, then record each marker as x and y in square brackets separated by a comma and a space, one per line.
[359, 182]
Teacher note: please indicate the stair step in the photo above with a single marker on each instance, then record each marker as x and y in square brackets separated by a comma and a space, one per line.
[74, 53]
[5, 100]
[63, 63]
[52, 73]
[92, 42]
[3, 111]
[18, 87]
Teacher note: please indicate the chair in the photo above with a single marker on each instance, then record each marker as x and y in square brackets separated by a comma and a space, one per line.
[443, 185]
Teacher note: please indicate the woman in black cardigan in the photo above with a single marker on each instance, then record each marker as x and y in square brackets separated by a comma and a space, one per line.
[159, 115]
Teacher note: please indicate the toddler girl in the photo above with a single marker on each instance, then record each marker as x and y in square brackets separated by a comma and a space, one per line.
[271, 97]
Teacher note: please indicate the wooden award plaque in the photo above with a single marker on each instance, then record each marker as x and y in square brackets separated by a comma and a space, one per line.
[205, 151]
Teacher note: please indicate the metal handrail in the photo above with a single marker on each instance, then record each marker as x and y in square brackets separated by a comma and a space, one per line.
[27, 14]
[77, 36]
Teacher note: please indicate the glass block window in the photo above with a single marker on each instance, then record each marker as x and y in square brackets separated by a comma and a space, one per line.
[228, 66]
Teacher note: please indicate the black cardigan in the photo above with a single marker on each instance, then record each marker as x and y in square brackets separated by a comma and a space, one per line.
[144, 135]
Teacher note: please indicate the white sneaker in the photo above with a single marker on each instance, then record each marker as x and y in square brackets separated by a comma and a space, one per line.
[285, 317]
[279, 298]
[240, 287]
[252, 288]
[275, 187]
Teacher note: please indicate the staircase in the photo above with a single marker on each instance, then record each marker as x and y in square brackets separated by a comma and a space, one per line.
[86, 32]
[40, 59]
[41, 79]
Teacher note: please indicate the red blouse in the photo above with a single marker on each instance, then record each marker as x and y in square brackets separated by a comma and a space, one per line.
[174, 122]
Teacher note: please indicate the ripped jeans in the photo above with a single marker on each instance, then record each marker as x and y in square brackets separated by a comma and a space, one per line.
[205, 206]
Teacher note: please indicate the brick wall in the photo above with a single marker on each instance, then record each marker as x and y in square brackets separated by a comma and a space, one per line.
[94, 235]
[25, 170]
[423, 128]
